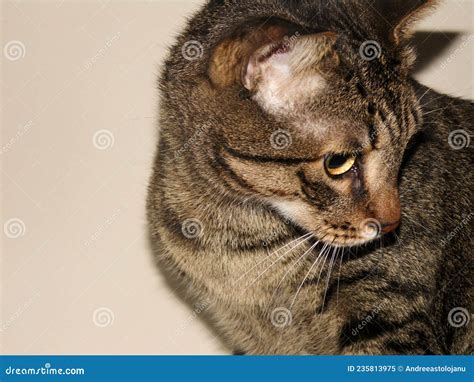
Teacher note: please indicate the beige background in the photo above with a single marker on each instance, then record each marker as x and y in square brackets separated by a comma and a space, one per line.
[79, 105]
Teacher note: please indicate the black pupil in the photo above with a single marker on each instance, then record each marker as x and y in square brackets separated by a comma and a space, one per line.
[337, 161]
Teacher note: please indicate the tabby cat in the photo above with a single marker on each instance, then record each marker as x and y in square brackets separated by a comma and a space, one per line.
[307, 192]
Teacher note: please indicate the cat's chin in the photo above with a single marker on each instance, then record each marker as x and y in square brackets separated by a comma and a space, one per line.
[337, 243]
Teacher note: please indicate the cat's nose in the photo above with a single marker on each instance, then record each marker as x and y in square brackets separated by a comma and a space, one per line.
[389, 227]
[385, 207]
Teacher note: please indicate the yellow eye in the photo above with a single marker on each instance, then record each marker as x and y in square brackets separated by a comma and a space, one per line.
[339, 164]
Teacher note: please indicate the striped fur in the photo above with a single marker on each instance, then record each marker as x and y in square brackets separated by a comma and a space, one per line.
[263, 238]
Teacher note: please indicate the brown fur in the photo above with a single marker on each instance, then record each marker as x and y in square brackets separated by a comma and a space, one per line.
[243, 213]
[229, 56]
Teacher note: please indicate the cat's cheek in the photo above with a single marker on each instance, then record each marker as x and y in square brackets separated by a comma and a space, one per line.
[299, 212]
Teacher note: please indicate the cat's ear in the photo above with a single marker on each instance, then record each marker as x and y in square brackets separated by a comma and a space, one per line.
[397, 17]
[290, 57]
[237, 58]
[230, 55]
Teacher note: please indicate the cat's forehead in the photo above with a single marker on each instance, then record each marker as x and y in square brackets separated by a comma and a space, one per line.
[334, 102]
[281, 92]
[307, 101]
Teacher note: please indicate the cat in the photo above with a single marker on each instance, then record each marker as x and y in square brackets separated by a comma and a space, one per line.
[306, 191]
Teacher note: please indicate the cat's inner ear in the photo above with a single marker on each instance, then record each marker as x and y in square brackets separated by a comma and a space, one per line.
[227, 59]
[282, 76]
[240, 58]
[279, 64]
[396, 17]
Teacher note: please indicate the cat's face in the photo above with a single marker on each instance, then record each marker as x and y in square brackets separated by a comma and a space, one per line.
[327, 140]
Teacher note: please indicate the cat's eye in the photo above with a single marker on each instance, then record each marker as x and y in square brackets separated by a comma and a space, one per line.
[339, 164]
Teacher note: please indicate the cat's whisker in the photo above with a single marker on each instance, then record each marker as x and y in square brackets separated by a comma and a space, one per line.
[339, 276]
[303, 238]
[307, 274]
[413, 221]
[289, 270]
[321, 269]
[423, 95]
[331, 265]
[276, 260]
[442, 96]
[435, 110]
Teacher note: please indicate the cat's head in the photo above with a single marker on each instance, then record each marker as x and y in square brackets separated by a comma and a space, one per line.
[328, 117]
